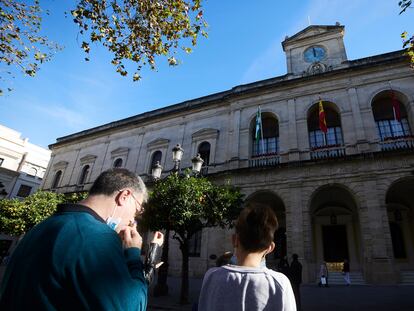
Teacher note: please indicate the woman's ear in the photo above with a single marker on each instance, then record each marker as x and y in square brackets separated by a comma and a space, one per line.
[271, 248]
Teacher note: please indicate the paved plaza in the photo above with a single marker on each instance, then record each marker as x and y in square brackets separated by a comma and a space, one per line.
[336, 298]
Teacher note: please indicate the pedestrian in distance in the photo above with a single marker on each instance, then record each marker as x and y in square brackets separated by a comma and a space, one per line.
[224, 259]
[323, 275]
[283, 265]
[247, 285]
[86, 256]
[295, 276]
[345, 272]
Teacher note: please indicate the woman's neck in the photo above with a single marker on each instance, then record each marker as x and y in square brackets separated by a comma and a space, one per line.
[247, 259]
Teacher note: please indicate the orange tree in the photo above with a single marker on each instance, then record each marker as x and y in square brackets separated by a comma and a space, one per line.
[19, 216]
[187, 204]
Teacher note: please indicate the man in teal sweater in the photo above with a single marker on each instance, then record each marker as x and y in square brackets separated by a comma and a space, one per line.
[84, 257]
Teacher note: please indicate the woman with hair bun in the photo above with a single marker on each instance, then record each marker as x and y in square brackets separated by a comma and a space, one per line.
[247, 285]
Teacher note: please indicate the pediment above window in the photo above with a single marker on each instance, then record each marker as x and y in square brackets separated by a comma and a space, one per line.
[60, 165]
[119, 152]
[206, 133]
[90, 158]
[158, 143]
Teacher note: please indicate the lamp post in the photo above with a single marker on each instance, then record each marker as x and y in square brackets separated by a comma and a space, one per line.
[161, 288]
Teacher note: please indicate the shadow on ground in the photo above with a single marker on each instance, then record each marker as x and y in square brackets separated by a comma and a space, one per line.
[334, 298]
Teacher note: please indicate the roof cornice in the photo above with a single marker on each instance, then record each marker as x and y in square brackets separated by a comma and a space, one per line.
[237, 91]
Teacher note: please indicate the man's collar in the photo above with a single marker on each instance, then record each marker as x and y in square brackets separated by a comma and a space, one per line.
[75, 207]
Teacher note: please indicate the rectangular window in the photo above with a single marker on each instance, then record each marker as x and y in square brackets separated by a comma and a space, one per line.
[333, 137]
[266, 146]
[194, 245]
[24, 191]
[393, 128]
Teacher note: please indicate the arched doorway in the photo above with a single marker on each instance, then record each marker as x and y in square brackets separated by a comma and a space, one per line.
[400, 210]
[269, 198]
[335, 226]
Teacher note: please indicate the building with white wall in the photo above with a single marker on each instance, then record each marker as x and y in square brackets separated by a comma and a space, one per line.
[347, 193]
[22, 167]
[22, 164]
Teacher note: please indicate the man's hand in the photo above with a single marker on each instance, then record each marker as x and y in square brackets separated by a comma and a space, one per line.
[158, 238]
[130, 237]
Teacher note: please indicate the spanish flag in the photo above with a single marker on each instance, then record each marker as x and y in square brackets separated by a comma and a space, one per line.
[322, 119]
[396, 107]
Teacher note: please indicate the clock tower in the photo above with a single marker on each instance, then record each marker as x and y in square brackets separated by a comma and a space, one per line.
[315, 49]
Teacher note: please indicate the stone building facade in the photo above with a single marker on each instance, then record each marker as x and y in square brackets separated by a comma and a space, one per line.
[348, 193]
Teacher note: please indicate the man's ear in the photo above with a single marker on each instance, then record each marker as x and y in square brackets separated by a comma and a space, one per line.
[122, 197]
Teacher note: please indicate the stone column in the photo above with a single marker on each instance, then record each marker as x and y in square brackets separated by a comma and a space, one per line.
[362, 143]
[378, 258]
[297, 227]
[293, 137]
[234, 138]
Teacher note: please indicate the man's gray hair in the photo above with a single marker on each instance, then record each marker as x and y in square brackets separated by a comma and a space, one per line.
[117, 179]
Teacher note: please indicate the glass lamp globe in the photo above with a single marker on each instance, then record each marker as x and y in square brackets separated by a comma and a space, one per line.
[197, 162]
[177, 153]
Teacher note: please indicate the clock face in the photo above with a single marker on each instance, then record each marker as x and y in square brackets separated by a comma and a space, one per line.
[314, 54]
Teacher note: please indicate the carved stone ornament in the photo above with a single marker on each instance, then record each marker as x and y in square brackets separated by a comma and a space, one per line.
[317, 68]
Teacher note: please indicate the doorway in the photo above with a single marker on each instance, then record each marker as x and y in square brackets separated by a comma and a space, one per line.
[335, 243]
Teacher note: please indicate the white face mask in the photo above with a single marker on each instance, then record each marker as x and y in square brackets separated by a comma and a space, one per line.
[113, 222]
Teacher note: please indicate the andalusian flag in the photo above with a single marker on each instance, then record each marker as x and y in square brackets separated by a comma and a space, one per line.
[322, 119]
[259, 128]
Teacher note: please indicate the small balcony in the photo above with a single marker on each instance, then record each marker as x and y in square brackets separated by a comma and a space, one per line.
[397, 143]
[327, 152]
[264, 160]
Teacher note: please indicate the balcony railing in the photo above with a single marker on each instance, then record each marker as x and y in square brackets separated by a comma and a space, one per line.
[326, 152]
[397, 143]
[264, 160]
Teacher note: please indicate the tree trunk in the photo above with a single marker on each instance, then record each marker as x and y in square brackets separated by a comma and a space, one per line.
[184, 272]
[161, 289]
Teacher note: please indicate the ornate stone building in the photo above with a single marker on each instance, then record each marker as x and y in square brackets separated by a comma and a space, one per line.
[348, 193]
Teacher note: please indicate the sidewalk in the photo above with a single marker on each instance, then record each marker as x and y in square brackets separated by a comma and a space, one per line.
[171, 302]
[337, 298]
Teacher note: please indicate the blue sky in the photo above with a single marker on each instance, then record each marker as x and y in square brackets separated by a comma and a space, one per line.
[244, 45]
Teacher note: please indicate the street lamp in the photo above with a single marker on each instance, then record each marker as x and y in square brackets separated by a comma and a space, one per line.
[156, 171]
[161, 288]
[197, 162]
[177, 155]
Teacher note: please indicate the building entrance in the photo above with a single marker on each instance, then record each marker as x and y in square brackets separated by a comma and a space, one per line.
[335, 224]
[335, 243]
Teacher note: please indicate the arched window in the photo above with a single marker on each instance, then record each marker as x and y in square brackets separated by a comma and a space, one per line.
[317, 138]
[84, 175]
[156, 157]
[204, 151]
[118, 162]
[56, 180]
[387, 109]
[268, 143]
